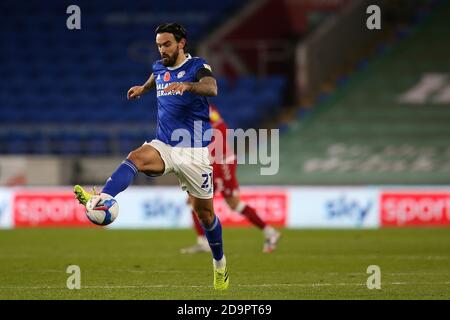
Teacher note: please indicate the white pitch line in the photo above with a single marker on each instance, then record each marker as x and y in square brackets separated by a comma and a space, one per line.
[267, 285]
[144, 271]
[291, 255]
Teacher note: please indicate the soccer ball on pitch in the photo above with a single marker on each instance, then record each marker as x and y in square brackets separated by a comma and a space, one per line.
[102, 210]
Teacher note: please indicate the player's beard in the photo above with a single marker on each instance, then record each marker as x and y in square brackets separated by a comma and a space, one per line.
[169, 61]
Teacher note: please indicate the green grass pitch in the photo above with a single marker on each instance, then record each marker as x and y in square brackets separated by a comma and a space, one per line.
[146, 264]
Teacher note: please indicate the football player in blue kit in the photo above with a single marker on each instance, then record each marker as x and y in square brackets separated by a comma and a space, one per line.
[182, 84]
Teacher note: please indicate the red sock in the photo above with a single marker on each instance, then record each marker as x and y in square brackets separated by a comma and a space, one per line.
[253, 217]
[198, 227]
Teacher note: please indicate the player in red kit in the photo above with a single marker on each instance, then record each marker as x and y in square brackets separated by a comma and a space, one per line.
[225, 182]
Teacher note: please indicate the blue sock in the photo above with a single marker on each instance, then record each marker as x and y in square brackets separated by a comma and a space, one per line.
[214, 235]
[121, 178]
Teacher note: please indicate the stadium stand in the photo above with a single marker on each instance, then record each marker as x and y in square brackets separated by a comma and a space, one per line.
[64, 85]
[366, 131]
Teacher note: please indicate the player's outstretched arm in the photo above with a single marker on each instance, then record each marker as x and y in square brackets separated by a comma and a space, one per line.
[206, 86]
[137, 91]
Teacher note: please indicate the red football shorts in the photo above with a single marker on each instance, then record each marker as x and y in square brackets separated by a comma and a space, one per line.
[224, 178]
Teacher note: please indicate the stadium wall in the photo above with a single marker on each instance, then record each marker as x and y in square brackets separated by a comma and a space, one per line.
[283, 206]
[342, 35]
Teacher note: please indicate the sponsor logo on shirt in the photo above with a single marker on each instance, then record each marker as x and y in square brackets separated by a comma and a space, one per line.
[160, 90]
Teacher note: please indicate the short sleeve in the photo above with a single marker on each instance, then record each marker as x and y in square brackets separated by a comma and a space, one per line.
[203, 69]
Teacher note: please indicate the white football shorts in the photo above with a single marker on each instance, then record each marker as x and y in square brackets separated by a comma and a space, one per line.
[191, 165]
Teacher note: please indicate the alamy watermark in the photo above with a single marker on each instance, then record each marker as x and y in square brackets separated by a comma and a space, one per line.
[374, 280]
[373, 22]
[73, 22]
[74, 280]
[250, 146]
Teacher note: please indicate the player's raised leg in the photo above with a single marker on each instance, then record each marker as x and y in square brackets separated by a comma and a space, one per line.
[271, 236]
[144, 159]
[213, 232]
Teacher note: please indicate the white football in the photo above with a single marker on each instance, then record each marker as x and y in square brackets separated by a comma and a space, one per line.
[102, 209]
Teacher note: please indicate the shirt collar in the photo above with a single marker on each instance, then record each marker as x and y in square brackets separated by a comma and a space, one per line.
[188, 57]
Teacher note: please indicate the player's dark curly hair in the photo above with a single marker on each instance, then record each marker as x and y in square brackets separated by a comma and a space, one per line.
[178, 31]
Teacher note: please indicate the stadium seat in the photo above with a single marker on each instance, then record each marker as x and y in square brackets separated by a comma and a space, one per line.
[68, 78]
[66, 143]
[18, 142]
[97, 143]
[363, 133]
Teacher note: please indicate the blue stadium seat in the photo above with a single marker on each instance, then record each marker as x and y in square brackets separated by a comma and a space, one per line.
[66, 143]
[40, 143]
[246, 83]
[18, 142]
[69, 78]
[129, 141]
[97, 143]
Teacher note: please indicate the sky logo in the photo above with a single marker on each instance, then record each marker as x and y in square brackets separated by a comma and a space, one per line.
[157, 208]
[346, 208]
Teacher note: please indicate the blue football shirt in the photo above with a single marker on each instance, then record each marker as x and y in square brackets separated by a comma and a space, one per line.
[182, 119]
